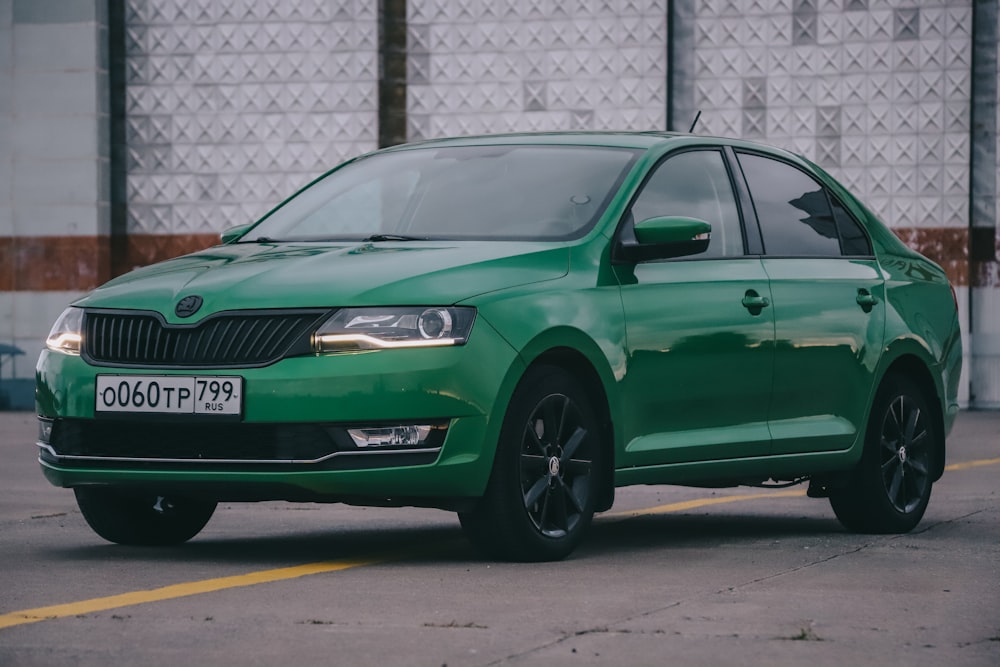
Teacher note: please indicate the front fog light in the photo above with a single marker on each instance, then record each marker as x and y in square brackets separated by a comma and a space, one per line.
[44, 430]
[67, 333]
[401, 436]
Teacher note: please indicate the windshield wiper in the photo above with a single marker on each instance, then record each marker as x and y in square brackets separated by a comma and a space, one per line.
[390, 237]
[261, 239]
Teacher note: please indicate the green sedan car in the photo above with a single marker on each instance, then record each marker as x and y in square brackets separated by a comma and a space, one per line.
[510, 327]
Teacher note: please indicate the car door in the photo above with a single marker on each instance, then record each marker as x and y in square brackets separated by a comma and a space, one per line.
[699, 329]
[828, 307]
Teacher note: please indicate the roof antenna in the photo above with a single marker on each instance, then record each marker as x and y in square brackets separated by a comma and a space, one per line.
[695, 122]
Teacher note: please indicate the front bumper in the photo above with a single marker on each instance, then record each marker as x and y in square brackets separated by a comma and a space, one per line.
[289, 443]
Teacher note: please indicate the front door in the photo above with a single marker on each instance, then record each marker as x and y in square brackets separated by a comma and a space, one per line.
[700, 329]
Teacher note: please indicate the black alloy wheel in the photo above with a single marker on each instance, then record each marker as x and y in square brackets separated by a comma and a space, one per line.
[554, 480]
[541, 496]
[889, 490]
[904, 454]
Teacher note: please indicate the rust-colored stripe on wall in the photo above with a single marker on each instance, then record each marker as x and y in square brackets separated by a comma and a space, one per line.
[79, 263]
[53, 263]
[75, 263]
[948, 246]
[146, 249]
[6, 264]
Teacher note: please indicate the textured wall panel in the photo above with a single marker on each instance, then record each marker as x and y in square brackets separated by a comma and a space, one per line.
[54, 166]
[984, 338]
[877, 91]
[233, 105]
[485, 66]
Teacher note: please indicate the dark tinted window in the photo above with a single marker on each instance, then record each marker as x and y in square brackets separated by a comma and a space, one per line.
[793, 209]
[695, 184]
[852, 238]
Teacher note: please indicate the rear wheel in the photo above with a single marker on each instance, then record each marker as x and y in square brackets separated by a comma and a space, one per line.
[541, 495]
[890, 489]
[144, 519]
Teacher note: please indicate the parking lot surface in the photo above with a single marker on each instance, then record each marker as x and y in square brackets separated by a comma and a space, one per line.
[670, 576]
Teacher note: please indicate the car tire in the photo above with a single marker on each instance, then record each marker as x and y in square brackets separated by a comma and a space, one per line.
[541, 495]
[889, 490]
[142, 519]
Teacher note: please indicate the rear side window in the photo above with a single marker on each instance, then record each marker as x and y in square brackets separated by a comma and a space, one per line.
[797, 215]
[852, 239]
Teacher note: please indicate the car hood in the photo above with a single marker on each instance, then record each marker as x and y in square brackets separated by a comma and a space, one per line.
[299, 275]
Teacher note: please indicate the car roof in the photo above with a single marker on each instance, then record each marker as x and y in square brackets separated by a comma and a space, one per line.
[635, 140]
[642, 140]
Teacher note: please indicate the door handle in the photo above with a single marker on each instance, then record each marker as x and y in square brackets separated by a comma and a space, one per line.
[866, 299]
[755, 302]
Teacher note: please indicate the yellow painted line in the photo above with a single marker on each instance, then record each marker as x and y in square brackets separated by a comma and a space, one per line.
[188, 589]
[704, 502]
[177, 591]
[720, 500]
[972, 464]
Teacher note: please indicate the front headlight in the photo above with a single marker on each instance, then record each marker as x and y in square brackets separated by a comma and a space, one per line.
[67, 333]
[351, 329]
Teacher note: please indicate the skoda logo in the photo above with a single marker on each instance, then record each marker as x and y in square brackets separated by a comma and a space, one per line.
[554, 466]
[188, 306]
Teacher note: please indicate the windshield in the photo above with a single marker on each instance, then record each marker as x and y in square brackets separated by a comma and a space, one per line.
[469, 192]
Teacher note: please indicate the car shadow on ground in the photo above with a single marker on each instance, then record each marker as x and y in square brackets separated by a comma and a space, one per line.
[444, 542]
[279, 549]
[698, 531]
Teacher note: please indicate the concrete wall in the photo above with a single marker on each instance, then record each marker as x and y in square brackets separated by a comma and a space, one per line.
[984, 302]
[224, 108]
[876, 91]
[879, 92]
[231, 107]
[488, 66]
[54, 166]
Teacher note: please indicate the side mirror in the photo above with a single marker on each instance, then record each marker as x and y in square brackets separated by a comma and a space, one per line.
[233, 233]
[666, 237]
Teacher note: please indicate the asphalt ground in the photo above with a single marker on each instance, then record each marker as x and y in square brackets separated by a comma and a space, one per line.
[671, 576]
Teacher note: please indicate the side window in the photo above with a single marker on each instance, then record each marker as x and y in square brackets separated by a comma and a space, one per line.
[853, 241]
[695, 184]
[798, 216]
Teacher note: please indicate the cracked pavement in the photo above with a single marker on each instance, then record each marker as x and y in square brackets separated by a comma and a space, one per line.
[773, 579]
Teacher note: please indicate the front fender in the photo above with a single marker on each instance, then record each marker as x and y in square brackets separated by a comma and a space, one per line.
[588, 322]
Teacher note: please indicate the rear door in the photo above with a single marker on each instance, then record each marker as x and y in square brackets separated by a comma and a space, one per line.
[829, 308]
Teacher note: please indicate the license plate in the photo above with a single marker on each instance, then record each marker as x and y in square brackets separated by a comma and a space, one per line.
[170, 394]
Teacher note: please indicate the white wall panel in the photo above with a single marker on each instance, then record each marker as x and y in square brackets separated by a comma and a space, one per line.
[232, 106]
[477, 67]
[857, 86]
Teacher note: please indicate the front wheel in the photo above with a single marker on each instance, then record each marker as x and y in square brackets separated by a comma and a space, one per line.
[142, 519]
[541, 495]
[890, 489]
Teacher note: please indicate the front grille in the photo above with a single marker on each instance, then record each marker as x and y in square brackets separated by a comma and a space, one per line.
[228, 339]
